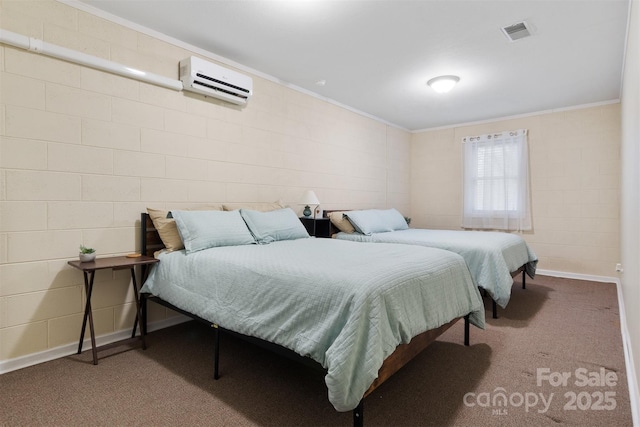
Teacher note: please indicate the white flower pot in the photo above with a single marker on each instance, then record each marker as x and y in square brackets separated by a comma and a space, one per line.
[87, 257]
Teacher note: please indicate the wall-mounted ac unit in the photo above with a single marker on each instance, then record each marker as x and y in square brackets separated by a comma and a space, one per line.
[210, 79]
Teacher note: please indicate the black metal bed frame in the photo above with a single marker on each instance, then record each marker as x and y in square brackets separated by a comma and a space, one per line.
[358, 412]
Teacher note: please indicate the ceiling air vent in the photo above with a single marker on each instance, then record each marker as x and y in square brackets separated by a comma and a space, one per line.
[516, 31]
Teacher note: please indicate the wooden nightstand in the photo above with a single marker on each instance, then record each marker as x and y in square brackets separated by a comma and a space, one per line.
[115, 263]
[319, 227]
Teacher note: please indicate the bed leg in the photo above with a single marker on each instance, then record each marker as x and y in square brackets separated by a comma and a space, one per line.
[466, 330]
[216, 351]
[524, 280]
[494, 308]
[358, 420]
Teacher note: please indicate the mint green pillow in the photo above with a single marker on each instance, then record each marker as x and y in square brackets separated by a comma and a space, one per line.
[376, 221]
[281, 224]
[209, 229]
[394, 219]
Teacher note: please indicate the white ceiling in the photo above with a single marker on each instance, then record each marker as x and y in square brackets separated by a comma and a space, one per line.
[376, 56]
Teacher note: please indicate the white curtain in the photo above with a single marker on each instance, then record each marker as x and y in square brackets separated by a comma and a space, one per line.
[496, 182]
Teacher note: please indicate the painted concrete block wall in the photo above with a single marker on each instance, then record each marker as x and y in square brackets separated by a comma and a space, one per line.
[574, 159]
[83, 152]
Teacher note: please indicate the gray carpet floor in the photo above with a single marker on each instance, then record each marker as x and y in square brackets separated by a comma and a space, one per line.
[554, 356]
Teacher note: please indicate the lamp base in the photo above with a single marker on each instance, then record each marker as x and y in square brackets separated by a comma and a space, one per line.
[307, 211]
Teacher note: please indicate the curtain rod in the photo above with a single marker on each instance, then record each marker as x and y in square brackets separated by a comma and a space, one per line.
[518, 132]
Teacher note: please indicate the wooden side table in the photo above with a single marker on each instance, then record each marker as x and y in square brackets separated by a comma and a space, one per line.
[115, 263]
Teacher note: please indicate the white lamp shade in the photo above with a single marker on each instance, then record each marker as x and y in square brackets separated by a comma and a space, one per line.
[309, 199]
[443, 84]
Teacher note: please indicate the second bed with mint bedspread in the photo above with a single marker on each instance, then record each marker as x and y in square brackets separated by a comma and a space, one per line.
[491, 256]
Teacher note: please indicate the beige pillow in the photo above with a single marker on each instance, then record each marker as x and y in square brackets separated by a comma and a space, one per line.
[167, 228]
[261, 207]
[341, 222]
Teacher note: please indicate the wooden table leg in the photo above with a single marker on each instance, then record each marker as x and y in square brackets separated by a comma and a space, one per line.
[88, 286]
[138, 311]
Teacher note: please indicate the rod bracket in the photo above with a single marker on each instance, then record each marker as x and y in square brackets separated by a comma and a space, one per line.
[35, 45]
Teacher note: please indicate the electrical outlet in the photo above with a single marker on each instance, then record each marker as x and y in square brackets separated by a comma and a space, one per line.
[619, 268]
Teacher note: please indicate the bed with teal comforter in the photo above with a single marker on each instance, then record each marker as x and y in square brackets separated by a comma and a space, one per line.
[346, 305]
[491, 256]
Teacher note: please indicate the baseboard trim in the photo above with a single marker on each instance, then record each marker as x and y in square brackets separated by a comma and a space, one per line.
[578, 276]
[632, 378]
[72, 348]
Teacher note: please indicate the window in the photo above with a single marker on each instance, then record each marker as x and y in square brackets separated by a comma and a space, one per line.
[496, 182]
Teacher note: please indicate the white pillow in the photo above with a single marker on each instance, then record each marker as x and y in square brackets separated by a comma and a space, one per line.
[376, 221]
[281, 224]
[208, 229]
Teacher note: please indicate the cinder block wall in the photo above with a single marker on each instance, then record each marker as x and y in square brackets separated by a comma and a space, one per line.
[83, 152]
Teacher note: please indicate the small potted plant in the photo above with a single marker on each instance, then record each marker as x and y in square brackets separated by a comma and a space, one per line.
[87, 254]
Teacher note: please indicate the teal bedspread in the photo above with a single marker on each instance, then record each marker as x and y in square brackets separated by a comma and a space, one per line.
[347, 305]
[491, 256]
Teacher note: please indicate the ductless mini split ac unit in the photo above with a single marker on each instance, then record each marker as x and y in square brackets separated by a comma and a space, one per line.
[207, 78]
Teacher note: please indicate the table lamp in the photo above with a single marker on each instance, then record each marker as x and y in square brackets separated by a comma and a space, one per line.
[309, 199]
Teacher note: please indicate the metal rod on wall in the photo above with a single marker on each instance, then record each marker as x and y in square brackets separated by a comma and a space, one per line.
[38, 46]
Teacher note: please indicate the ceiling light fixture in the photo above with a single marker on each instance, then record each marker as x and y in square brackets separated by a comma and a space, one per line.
[443, 84]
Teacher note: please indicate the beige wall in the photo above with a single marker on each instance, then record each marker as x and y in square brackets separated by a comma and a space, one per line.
[574, 159]
[83, 152]
[630, 207]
